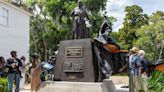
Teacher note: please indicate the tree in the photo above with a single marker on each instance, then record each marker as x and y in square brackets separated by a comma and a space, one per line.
[44, 35]
[151, 37]
[133, 20]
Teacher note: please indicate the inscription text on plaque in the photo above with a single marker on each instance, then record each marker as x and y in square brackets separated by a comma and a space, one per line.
[73, 52]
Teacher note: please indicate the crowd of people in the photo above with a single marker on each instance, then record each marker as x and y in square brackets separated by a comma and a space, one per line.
[14, 70]
[18, 72]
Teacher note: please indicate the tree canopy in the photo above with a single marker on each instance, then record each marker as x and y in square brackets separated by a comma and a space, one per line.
[151, 37]
[143, 31]
[133, 20]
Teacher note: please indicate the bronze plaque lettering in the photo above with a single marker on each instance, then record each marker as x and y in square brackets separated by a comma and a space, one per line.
[73, 67]
[73, 52]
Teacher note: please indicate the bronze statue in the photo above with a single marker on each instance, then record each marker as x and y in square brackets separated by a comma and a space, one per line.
[105, 31]
[79, 25]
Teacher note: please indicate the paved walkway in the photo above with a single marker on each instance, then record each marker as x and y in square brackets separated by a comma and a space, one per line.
[118, 87]
[26, 88]
[120, 80]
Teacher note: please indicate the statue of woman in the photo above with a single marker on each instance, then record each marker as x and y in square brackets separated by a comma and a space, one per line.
[79, 26]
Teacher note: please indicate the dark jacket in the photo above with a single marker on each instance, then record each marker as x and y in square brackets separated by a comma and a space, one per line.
[9, 63]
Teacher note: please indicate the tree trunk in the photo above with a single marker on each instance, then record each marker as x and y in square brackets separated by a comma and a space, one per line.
[45, 48]
[35, 43]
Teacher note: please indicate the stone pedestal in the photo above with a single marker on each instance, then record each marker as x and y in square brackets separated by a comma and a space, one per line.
[75, 61]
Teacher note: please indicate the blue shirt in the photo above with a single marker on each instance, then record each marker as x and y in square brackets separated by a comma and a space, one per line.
[134, 63]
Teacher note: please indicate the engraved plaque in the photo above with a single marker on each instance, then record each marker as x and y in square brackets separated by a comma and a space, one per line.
[73, 52]
[73, 67]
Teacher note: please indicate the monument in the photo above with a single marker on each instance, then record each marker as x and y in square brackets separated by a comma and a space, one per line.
[75, 57]
[83, 61]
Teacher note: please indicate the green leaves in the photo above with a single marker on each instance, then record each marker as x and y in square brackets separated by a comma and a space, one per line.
[3, 85]
[95, 5]
[133, 9]
[154, 82]
[146, 32]
[151, 37]
[134, 19]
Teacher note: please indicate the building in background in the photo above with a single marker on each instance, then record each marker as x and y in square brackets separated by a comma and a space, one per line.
[14, 30]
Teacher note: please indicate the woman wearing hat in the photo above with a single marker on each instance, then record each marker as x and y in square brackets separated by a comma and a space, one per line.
[135, 70]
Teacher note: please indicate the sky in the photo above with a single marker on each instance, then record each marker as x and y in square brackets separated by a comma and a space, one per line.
[116, 8]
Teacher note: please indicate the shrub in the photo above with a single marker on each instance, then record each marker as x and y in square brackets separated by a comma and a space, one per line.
[155, 82]
[3, 85]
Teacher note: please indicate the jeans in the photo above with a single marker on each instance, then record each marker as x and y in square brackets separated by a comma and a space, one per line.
[11, 78]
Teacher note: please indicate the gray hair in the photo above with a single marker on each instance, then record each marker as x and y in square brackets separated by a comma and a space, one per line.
[141, 52]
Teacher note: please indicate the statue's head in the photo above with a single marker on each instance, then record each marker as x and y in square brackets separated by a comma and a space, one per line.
[106, 27]
[80, 3]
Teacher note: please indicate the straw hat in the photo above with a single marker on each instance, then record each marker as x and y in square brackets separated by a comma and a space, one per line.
[134, 49]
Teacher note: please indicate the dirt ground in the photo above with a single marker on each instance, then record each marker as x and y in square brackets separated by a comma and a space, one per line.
[120, 80]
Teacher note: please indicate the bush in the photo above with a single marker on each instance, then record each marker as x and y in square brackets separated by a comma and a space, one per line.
[155, 82]
[3, 85]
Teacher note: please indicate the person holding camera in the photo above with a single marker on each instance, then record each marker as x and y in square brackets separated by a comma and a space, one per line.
[13, 65]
